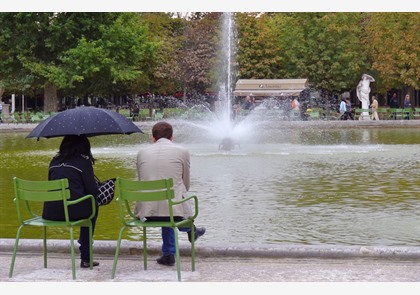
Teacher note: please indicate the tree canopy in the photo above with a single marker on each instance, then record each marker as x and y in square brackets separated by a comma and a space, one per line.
[121, 53]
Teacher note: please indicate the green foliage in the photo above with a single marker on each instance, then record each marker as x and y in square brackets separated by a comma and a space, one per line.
[123, 53]
[393, 42]
[89, 52]
[259, 55]
[323, 47]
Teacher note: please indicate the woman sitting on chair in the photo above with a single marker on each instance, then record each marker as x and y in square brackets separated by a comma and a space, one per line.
[74, 161]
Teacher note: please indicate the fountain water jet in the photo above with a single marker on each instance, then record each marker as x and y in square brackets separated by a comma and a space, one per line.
[219, 125]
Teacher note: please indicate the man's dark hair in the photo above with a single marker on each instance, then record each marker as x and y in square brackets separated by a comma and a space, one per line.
[162, 130]
[73, 146]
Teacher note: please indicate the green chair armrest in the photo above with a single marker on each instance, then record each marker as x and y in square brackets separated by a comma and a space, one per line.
[187, 199]
[83, 199]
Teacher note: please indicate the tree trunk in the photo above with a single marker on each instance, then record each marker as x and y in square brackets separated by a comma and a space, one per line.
[50, 98]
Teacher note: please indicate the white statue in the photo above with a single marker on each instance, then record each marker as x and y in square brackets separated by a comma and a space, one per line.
[362, 91]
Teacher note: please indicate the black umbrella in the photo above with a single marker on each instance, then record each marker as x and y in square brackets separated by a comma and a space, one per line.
[89, 121]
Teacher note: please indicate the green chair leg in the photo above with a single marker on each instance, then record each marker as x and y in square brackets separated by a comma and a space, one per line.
[44, 238]
[117, 251]
[193, 248]
[12, 264]
[177, 256]
[73, 264]
[144, 248]
[90, 246]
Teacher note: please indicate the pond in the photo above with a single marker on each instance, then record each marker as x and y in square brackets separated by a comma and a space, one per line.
[343, 186]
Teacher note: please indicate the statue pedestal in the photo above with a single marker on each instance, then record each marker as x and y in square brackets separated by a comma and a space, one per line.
[364, 117]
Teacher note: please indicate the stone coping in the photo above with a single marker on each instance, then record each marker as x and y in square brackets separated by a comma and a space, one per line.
[107, 247]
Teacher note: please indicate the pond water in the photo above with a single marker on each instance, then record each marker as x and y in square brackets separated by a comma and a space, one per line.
[343, 186]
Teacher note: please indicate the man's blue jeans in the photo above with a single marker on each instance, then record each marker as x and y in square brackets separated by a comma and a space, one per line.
[168, 236]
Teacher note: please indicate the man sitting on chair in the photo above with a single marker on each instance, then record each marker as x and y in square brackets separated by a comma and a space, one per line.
[164, 159]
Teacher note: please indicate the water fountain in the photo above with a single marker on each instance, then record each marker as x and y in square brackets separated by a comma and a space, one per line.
[219, 125]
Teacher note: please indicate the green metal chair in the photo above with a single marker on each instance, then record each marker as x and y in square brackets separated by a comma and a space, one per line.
[314, 115]
[416, 113]
[407, 114]
[30, 192]
[395, 114]
[131, 191]
[382, 113]
[359, 113]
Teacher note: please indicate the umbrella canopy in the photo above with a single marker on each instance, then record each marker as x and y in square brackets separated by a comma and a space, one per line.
[89, 121]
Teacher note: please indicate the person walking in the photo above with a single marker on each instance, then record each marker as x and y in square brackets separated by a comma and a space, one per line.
[165, 159]
[74, 161]
[349, 113]
[374, 107]
[343, 110]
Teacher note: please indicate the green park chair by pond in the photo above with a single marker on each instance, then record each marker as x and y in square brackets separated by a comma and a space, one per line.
[416, 113]
[314, 115]
[382, 113]
[395, 114]
[29, 194]
[359, 113]
[129, 192]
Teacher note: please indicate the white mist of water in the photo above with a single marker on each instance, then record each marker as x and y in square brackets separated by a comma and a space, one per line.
[220, 125]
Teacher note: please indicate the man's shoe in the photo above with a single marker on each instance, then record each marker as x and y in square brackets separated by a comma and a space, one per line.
[168, 260]
[199, 231]
[86, 263]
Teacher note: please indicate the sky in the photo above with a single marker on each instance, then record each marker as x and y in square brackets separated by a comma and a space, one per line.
[212, 6]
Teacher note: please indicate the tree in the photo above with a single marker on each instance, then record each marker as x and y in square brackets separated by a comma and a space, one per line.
[393, 43]
[326, 48]
[82, 52]
[259, 52]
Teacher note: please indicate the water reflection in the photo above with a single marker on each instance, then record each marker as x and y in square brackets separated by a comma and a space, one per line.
[347, 187]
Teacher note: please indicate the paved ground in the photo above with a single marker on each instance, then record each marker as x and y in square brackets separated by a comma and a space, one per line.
[216, 263]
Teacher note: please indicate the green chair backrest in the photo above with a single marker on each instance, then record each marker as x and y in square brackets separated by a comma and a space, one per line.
[142, 191]
[27, 191]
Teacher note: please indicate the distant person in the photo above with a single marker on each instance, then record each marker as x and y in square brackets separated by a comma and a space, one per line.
[295, 104]
[164, 159]
[407, 102]
[306, 112]
[374, 106]
[393, 103]
[136, 112]
[249, 103]
[1, 110]
[74, 161]
[407, 105]
[349, 113]
[236, 111]
[343, 109]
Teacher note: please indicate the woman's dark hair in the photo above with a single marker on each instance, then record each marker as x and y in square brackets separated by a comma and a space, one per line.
[73, 146]
[162, 129]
